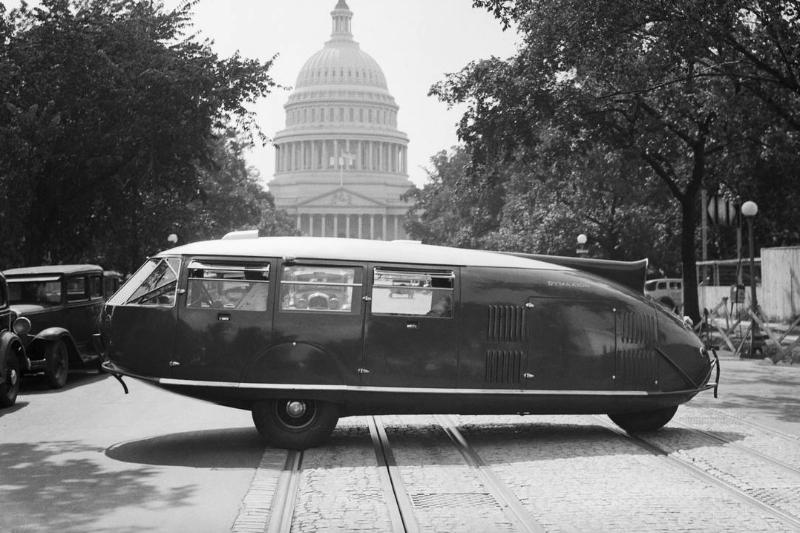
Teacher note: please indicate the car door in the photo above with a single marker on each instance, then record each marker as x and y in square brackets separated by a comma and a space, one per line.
[572, 343]
[318, 324]
[82, 311]
[139, 321]
[410, 328]
[224, 318]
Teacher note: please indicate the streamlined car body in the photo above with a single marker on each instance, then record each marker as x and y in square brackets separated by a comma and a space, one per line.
[302, 331]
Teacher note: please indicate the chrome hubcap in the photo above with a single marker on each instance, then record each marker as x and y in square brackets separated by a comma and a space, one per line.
[296, 409]
[14, 376]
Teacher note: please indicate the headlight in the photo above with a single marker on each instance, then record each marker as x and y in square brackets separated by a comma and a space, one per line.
[21, 326]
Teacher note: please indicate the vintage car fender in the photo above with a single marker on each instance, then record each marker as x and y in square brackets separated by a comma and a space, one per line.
[40, 340]
[295, 362]
[10, 341]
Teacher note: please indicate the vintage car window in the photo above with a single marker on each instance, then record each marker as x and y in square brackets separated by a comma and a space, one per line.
[95, 287]
[228, 286]
[413, 292]
[45, 291]
[76, 288]
[3, 296]
[319, 288]
[155, 283]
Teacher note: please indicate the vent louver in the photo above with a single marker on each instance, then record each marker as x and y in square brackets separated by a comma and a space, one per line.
[504, 366]
[506, 323]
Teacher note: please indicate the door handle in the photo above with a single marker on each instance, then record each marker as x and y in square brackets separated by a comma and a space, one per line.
[224, 317]
[363, 371]
[174, 363]
[412, 325]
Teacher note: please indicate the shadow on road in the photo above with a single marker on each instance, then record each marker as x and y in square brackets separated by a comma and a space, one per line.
[60, 486]
[13, 409]
[765, 391]
[214, 448]
[37, 384]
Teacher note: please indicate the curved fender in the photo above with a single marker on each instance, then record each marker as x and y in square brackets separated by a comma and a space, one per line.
[9, 341]
[44, 337]
[295, 362]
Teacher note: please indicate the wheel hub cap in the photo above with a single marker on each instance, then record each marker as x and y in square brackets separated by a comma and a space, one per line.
[296, 409]
[14, 377]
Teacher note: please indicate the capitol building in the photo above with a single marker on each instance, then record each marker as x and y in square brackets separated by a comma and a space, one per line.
[341, 161]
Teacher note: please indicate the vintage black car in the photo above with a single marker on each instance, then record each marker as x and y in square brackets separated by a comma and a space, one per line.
[63, 303]
[13, 361]
[301, 331]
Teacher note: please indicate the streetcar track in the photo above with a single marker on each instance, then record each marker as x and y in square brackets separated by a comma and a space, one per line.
[511, 506]
[767, 429]
[401, 509]
[285, 496]
[702, 475]
[746, 449]
[400, 502]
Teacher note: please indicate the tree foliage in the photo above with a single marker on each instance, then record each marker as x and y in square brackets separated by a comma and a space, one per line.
[114, 130]
[674, 92]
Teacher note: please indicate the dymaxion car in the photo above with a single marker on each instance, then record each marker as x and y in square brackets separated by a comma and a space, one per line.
[303, 330]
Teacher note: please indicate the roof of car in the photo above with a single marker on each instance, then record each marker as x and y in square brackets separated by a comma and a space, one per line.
[327, 248]
[49, 270]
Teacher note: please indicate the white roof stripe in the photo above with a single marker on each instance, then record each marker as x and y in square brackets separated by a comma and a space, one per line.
[361, 250]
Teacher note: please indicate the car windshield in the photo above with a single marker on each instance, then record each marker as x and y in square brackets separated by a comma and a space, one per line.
[153, 284]
[45, 291]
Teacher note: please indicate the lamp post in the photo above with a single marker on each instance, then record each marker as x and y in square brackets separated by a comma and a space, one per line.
[749, 211]
[582, 251]
[172, 238]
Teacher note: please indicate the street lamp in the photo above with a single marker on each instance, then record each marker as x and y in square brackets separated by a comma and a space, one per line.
[582, 251]
[749, 211]
[172, 239]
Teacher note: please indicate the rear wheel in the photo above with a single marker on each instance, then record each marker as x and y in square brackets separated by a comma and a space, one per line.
[9, 389]
[645, 421]
[57, 365]
[295, 424]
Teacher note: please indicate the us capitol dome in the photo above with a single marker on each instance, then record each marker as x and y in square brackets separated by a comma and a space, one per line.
[341, 162]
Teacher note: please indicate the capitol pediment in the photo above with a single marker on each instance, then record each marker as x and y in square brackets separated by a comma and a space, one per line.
[341, 197]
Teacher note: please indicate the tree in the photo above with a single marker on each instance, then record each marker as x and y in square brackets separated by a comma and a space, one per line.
[457, 207]
[637, 78]
[110, 118]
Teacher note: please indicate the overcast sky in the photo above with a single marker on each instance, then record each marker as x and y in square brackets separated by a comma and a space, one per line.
[414, 41]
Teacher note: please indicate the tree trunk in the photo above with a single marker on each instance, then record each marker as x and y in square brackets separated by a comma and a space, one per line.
[691, 306]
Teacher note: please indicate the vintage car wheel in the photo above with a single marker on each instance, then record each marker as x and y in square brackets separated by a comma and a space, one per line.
[645, 421]
[9, 389]
[57, 366]
[295, 424]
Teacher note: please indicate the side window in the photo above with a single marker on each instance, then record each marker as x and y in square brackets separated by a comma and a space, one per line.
[320, 288]
[95, 287]
[76, 288]
[155, 284]
[228, 286]
[409, 292]
[110, 285]
[662, 285]
[3, 295]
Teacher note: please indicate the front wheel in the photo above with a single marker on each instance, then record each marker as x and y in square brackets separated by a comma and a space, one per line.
[295, 424]
[57, 364]
[9, 389]
[644, 421]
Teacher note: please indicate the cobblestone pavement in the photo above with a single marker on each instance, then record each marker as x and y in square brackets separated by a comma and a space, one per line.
[573, 473]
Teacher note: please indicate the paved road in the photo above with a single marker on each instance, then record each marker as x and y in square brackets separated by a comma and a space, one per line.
[89, 458]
